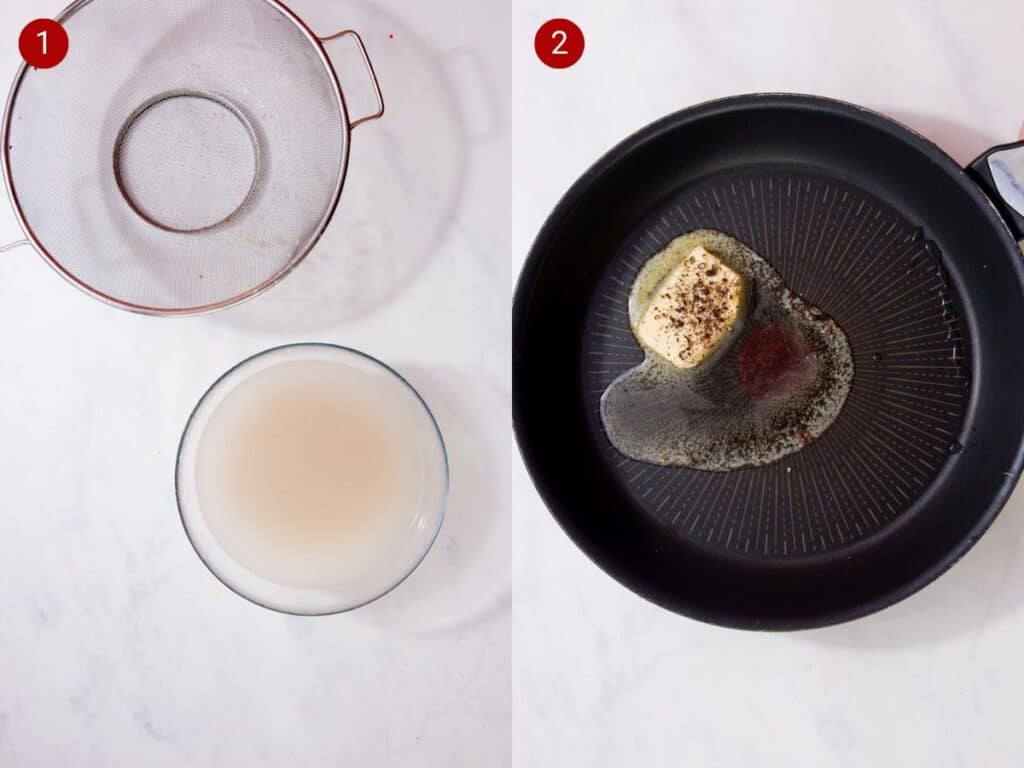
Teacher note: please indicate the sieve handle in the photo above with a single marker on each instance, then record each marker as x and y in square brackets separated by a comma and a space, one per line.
[369, 68]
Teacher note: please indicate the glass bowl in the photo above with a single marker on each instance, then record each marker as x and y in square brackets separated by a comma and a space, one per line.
[288, 563]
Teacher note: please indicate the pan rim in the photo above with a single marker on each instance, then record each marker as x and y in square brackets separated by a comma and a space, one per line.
[540, 475]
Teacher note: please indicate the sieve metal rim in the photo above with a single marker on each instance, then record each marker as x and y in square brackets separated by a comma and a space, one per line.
[301, 252]
[161, 98]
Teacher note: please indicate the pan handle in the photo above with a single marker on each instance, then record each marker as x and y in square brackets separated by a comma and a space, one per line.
[1000, 172]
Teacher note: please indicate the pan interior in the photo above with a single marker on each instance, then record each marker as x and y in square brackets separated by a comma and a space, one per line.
[880, 277]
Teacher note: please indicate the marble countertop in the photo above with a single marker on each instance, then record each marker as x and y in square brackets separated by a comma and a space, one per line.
[507, 647]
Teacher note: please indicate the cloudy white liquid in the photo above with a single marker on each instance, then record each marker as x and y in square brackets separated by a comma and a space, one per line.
[320, 474]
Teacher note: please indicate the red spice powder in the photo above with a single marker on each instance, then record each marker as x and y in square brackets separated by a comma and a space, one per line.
[776, 362]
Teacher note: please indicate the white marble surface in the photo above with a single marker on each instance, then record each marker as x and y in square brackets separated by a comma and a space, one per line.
[507, 647]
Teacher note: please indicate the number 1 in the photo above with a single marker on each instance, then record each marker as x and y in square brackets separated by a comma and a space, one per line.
[43, 36]
[557, 50]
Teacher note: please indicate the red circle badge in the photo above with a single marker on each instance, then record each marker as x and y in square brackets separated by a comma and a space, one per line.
[43, 43]
[559, 43]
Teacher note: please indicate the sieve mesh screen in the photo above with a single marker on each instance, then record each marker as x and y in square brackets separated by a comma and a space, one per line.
[184, 155]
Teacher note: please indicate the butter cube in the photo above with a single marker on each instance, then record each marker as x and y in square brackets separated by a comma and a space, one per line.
[692, 309]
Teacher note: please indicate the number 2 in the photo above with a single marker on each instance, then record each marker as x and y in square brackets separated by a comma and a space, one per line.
[43, 36]
[557, 50]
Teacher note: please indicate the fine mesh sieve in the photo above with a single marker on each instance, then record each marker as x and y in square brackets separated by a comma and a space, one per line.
[185, 156]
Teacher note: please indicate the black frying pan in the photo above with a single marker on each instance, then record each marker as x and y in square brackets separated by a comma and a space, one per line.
[884, 232]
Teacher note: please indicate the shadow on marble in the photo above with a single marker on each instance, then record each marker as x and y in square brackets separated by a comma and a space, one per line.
[405, 179]
[962, 142]
[472, 569]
